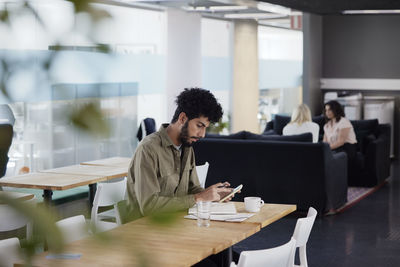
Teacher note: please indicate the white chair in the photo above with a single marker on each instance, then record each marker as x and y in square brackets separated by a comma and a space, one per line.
[13, 220]
[9, 252]
[202, 173]
[73, 228]
[282, 256]
[108, 194]
[301, 234]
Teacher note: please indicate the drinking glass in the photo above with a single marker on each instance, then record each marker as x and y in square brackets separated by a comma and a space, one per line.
[203, 213]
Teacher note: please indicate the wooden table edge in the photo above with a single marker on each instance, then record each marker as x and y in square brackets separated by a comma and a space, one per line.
[280, 216]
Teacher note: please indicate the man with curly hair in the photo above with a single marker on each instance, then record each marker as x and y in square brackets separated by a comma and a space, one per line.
[162, 174]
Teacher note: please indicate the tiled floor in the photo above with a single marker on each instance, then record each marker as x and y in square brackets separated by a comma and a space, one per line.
[367, 234]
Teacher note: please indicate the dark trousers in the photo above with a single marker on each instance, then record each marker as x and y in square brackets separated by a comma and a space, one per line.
[350, 150]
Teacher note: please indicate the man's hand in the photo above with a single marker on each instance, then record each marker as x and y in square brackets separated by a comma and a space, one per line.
[214, 192]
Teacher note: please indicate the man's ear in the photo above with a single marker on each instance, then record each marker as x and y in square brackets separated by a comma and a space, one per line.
[182, 117]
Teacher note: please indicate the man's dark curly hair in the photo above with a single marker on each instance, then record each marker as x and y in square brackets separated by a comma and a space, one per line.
[196, 102]
[336, 109]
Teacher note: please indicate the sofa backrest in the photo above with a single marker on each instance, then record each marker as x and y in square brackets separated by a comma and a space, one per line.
[279, 172]
[365, 130]
[245, 135]
[280, 121]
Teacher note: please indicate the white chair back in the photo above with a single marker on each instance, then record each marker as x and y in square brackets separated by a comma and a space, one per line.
[108, 194]
[12, 219]
[202, 173]
[282, 256]
[73, 228]
[302, 233]
[9, 252]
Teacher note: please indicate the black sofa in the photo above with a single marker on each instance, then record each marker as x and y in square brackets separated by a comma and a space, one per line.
[301, 173]
[372, 164]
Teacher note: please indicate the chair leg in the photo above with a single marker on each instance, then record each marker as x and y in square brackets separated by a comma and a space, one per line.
[29, 231]
[303, 256]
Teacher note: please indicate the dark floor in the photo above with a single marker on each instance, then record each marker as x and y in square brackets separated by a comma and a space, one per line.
[367, 234]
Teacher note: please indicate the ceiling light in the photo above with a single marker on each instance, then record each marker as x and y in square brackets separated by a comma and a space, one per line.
[274, 8]
[228, 8]
[253, 16]
[214, 8]
[364, 12]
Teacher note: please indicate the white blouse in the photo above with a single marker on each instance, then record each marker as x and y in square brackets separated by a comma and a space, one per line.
[306, 127]
[332, 130]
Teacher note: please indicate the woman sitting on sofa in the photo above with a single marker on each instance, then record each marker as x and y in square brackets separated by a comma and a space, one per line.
[338, 131]
[301, 123]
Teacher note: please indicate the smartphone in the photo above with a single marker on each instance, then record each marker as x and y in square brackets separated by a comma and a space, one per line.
[231, 193]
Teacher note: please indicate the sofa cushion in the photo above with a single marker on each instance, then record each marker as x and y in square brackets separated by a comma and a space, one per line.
[306, 137]
[320, 120]
[280, 122]
[363, 130]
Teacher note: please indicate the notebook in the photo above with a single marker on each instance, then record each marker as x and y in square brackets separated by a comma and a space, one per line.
[217, 208]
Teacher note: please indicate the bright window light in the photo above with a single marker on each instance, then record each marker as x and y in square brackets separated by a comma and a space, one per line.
[383, 11]
[274, 8]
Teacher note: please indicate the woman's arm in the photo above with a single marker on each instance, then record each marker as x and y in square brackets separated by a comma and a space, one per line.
[325, 139]
[343, 134]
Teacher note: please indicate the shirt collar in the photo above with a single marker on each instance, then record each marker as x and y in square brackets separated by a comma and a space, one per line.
[165, 139]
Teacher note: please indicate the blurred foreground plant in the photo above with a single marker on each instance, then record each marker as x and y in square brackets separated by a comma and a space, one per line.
[45, 228]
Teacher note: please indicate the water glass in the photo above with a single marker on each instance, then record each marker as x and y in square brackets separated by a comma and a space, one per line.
[203, 213]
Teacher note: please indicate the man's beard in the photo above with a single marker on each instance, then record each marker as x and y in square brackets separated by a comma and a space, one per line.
[184, 135]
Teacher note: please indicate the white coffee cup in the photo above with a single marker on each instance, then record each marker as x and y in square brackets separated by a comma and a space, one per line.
[253, 204]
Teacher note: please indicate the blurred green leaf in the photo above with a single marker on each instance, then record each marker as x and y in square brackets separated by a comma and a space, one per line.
[164, 218]
[99, 14]
[5, 16]
[80, 5]
[218, 127]
[90, 119]
[103, 48]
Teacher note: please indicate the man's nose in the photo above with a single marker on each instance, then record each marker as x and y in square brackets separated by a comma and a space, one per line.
[202, 133]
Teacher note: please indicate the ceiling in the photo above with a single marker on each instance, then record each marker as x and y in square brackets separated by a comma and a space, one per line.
[277, 13]
[336, 6]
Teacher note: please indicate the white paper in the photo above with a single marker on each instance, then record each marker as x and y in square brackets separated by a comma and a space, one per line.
[238, 217]
[217, 208]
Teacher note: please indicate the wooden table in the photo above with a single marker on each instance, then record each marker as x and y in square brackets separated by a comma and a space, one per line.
[16, 195]
[268, 213]
[114, 161]
[97, 173]
[50, 181]
[182, 244]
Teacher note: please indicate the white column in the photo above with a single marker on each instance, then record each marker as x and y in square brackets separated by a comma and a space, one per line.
[245, 95]
[183, 54]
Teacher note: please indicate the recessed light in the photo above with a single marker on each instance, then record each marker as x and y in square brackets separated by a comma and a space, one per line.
[253, 16]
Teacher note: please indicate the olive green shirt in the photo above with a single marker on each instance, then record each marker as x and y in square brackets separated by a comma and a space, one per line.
[159, 178]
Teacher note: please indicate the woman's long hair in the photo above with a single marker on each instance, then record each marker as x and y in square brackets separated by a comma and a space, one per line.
[336, 109]
[301, 114]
